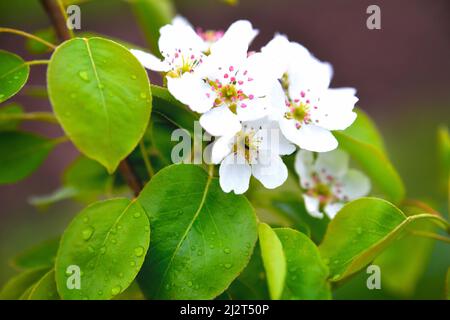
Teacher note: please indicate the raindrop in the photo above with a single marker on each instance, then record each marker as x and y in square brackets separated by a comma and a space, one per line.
[84, 75]
[87, 233]
[132, 263]
[102, 250]
[143, 95]
[133, 77]
[85, 219]
[116, 290]
[137, 214]
[189, 284]
[139, 251]
[114, 241]
[227, 250]
[100, 292]
[228, 265]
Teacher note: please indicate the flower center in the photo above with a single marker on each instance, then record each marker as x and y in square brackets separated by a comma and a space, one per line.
[299, 112]
[246, 144]
[182, 62]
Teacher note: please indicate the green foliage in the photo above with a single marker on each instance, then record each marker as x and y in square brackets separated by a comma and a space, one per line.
[45, 288]
[103, 101]
[202, 238]
[19, 285]
[108, 241]
[360, 232]
[13, 74]
[40, 255]
[364, 144]
[443, 144]
[152, 15]
[6, 123]
[35, 47]
[21, 153]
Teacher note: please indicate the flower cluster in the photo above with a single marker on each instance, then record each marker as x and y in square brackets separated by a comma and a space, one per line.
[258, 105]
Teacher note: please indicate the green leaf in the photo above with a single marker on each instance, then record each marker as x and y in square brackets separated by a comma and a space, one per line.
[36, 47]
[108, 241]
[307, 274]
[361, 230]
[21, 153]
[41, 255]
[202, 238]
[274, 260]
[103, 101]
[251, 283]
[152, 15]
[405, 260]
[375, 163]
[7, 124]
[13, 74]
[45, 288]
[17, 285]
[443, 142]
[447, 285]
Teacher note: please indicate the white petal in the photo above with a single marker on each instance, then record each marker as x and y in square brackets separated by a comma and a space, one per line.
[271, 171]
[149, 61]
[309, 137]
[192, 91]
[277, 51]
[304, 166]
[181, 21]
[309, 75]
[332, 209]
[260, 78]
[173, 37]
[220, 121]
[355, 184]
[312, 206]
[221, 148]
[234, 174]
[333, 163]
[249, 110]
[239, 35]
[335, 109]
[277, 102]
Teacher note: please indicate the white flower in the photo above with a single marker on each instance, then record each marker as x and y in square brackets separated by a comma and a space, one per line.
[328, 182]
[306, 107]
[255, 150]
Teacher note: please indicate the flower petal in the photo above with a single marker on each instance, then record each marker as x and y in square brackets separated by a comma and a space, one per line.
[335, 109]
[312, 206]
[192, 91]
[220, 121]
[355, 184]
[304, 166]
[270, 171]
[221, 148]
[332, 209]
[309, 137]
[234, 174]
[249, 110]
[180, 37]
[149, 61]
[333, 163]
[239, 35]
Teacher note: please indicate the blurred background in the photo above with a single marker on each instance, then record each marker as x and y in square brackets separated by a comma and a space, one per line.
[401, 72]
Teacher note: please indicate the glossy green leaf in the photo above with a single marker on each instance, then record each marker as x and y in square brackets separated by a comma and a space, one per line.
[108, 241]
[274, 260]
[21, 153]
[17, 285]
[36, 47]
[306, 277]
[7, 123]
[202, 238]
[152, 15]
[45, 288]
[447, 285]
[375, 163]
[13, 74]
[406, 259]
[40, 255]
[360, 232]
[103, 101]
[443, 143]
[251, 284]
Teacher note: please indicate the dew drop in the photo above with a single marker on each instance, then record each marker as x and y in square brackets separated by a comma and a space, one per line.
[121, 275]
[189, 284]
[116, 290]
[100, 292]
[132, 263]
[147, 228]
[137, 214]
[85, 219]
[133, 77]
[103, 250]
[227, 250]
[87, 233]
[84, 75]
[227, 265]
[139, 251]
[114, 241]
[143, 95]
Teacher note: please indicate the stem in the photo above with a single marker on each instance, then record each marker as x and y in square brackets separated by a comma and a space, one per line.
[31, 116]
[148, 164]
[29, 36]
[441, 222]
[55, 10]
[37, 62]
[430, 235]
[61, 139]
[130, 177]
[421, 205]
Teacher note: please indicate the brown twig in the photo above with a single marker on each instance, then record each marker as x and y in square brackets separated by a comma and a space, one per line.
[56, 13]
